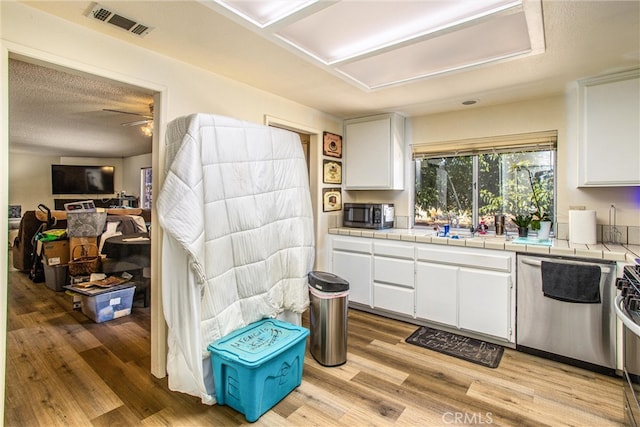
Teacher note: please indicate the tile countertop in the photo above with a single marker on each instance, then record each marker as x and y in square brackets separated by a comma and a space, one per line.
[605, 251]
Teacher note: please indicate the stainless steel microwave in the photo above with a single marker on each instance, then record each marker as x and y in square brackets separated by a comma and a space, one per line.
[368, 215]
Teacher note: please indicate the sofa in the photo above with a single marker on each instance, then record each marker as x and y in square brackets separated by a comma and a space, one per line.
[32, 221]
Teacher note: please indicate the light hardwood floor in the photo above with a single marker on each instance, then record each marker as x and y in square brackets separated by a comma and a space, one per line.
[65, 370]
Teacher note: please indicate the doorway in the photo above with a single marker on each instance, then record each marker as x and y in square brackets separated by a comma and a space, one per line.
[157, 95]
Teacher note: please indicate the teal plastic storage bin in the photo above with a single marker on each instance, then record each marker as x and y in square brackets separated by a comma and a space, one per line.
[256, 366]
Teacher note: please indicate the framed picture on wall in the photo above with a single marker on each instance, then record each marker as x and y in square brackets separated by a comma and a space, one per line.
[331, 199]
[332, 172]
[332, 145]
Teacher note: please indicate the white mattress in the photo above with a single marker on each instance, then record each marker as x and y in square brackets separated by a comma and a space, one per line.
[238, 242]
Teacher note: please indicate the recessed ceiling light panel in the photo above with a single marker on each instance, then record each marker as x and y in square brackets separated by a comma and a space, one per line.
[377, 44]
[471, 46]
[333, 35]
[264, 13]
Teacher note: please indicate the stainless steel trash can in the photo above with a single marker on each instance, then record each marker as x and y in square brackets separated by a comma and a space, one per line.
[328, 304]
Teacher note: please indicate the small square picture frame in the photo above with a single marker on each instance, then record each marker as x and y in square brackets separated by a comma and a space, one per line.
[332, 145]
[331, 199]
[331, 171]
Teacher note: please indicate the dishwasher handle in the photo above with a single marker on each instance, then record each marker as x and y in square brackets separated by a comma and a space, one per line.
[538, 263]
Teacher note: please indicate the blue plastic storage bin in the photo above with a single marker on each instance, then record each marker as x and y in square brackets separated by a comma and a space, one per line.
[257, 366]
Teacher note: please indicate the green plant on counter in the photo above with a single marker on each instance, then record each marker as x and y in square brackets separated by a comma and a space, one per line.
[537, 192]
[522, 221]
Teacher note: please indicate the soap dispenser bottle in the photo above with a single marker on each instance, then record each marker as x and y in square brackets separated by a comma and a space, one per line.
[482, 229]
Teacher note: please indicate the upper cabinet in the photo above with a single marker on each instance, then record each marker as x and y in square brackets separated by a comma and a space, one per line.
[609, 133]
[374, 153]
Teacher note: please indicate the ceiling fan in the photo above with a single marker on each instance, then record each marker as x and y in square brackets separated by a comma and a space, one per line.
[146, 122]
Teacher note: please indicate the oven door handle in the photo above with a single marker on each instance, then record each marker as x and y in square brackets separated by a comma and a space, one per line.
[538, 263]
[626, 321]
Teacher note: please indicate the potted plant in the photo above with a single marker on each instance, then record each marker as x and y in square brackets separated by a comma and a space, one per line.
[539, 218]
[522, 222]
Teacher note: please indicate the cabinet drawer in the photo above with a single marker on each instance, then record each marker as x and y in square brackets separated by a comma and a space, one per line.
[393, 271]
[352, 245]
[393, 298]
[484, 259]
[396, 251]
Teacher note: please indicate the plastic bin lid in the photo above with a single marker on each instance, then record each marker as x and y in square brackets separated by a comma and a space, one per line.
[327, 282]
[259, 341]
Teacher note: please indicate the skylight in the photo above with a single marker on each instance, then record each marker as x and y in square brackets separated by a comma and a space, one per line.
[375, 44]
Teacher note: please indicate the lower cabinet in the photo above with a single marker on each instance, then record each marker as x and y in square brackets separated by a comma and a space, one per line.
[394, 277]
[484, 303]
[462, 288]
[355, 269]
[437, 293]
[351, 260]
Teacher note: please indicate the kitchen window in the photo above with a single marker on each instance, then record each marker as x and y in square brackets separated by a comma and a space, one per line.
[465, 183]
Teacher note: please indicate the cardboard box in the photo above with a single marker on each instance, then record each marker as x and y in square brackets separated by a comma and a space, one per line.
[90, 246]
[85, 224]
[56, 252]
[249, 365]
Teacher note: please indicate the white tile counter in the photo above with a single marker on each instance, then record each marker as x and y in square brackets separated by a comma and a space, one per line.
[606, 251]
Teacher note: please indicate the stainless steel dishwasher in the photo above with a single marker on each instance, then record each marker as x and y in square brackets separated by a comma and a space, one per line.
[564, 310]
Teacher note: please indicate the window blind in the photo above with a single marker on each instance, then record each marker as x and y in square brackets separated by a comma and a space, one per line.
[535, 141]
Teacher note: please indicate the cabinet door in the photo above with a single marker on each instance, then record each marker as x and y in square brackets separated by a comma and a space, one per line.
[355, 268]
[436, 293]
[393, 271]
[373, 148]
[393, 298]
[393, 281]
[484, 303]
[609, 132]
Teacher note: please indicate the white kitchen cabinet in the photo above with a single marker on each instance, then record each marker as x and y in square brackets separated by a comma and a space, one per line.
[393, 277]
[484, 303]
[467, 289]
[437, 293]
[374, 153]
[609, 132]
[351, 260]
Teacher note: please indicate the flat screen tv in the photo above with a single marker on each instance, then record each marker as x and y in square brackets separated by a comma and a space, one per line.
[73, 179]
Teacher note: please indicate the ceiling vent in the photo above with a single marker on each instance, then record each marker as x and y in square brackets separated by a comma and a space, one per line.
[107, 16]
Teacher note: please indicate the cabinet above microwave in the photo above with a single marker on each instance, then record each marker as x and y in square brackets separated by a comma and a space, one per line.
[374, 153]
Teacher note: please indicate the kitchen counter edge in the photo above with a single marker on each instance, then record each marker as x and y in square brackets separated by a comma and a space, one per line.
[605, 251]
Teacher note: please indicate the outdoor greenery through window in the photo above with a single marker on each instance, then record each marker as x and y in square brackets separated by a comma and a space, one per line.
[478, 180]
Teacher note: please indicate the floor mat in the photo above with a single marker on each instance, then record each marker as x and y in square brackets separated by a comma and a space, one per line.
[470, 349]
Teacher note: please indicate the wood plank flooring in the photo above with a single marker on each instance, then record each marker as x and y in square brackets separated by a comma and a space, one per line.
[65, 370]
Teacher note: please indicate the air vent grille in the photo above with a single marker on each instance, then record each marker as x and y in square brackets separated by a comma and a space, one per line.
[107, 16]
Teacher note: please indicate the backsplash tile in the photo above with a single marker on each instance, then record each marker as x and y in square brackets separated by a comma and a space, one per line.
[334, 221]
[562, 231]
[614, 234]
[401, 222]
[633, 235]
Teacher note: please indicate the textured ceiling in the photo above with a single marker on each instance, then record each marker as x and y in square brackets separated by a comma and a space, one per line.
[582, 39]
[54, 112]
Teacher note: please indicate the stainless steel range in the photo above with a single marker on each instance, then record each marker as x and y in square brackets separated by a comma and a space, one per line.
[627, 308]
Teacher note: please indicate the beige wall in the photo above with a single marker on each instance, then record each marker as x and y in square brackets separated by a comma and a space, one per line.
[131, 173]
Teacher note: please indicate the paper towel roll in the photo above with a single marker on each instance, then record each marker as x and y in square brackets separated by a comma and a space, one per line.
[582, 227]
